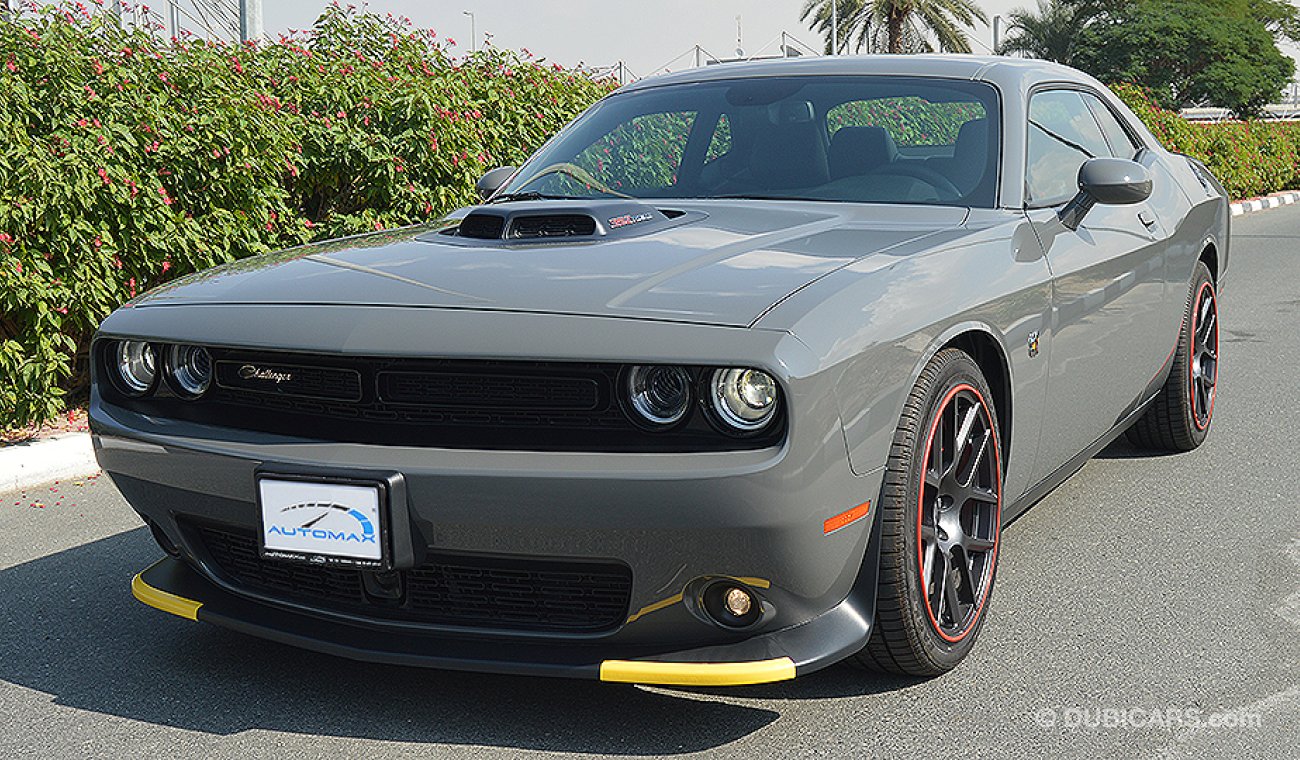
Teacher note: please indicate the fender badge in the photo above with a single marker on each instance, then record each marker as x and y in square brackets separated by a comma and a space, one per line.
[1033, 344]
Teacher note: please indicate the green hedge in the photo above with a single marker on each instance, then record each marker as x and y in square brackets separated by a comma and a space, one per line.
[1250, 158]
[125, 162]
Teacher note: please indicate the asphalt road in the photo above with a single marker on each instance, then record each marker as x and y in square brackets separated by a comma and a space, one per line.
[1145, 596]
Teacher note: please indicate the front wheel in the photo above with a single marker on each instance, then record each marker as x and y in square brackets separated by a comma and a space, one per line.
[941, 512]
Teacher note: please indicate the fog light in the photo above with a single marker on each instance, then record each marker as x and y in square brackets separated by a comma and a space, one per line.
[737, 601]
[731, 605]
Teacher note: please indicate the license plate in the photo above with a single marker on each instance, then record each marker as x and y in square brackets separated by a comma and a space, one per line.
[325, 523]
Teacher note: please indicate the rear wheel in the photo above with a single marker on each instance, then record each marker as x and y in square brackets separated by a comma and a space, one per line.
[941, 510]
[1179, 418]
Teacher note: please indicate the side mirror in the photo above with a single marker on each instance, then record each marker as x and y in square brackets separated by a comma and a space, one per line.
[492, 181]
[1112, 181]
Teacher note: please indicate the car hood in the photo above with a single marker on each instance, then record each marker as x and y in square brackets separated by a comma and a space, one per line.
[715, 262]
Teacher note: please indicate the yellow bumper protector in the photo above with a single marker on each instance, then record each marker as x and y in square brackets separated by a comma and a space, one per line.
[697, 673]
[167, 602]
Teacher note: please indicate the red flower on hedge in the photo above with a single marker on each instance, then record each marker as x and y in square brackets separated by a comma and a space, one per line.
[165, 197]
[9, 64]
[103, 174]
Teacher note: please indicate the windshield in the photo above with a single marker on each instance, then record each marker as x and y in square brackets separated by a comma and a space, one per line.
[869, 139]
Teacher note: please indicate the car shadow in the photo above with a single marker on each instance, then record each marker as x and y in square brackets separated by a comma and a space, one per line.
[69, 628]
[1120, 448]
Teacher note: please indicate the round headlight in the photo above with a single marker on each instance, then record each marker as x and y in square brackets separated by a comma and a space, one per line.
[744, 399]
[190, 368]
[137, 366]
[660, 395]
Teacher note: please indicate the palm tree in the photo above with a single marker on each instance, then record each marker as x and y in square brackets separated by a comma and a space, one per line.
[1049, 34]
[896, 26]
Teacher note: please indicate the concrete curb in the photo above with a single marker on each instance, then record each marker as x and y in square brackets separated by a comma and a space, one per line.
[23, 465]
[1275, 200]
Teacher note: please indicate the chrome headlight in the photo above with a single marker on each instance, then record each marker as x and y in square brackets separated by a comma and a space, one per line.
[190, 368]
[744, 399]
[659, 394]
[136, 363]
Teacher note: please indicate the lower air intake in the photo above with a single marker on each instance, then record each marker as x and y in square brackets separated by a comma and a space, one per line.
[476, 591]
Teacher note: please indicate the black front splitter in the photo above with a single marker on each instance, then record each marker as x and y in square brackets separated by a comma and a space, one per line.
[172, 586]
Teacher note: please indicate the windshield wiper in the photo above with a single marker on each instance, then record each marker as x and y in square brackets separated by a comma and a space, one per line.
[531, 195]
[754, 197]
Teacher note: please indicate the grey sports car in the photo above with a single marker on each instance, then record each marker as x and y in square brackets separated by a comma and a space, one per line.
[740, 375]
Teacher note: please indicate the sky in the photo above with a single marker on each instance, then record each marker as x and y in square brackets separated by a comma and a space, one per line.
[644, 34]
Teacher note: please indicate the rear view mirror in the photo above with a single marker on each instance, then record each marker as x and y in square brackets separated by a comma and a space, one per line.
[791, 112]
[1112, 181]
[492, 181]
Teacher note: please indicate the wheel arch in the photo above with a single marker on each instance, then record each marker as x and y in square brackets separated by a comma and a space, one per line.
[985, 346]
[989, 354]
[1210, 256]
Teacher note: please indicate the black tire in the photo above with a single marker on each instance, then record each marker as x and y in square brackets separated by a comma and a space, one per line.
[1179, 418]
[909, 635]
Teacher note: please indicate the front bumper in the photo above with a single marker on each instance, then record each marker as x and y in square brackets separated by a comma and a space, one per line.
[773, 518]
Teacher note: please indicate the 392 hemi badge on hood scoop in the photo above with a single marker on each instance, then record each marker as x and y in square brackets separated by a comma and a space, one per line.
[629, 219]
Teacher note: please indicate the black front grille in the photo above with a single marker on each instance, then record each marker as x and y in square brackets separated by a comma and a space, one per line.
[553, 225]
[290, 380]
[462, 590]
[464, 390]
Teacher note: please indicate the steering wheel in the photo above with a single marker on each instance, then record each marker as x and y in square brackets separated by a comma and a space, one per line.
[941, 184]
[576, 172]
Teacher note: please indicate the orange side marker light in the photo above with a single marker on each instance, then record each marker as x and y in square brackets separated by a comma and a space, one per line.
[846, 518]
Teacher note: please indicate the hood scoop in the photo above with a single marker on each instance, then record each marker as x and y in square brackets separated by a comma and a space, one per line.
[561, 221]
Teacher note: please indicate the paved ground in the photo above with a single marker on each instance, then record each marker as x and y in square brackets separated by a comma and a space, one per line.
[1149, 587]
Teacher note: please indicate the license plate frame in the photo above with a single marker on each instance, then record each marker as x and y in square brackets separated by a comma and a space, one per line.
[344, 504]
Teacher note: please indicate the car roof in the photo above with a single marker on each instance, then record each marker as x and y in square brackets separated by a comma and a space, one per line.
[1009, 74]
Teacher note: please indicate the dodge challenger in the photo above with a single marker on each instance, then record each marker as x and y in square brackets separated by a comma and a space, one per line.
[740, 375]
